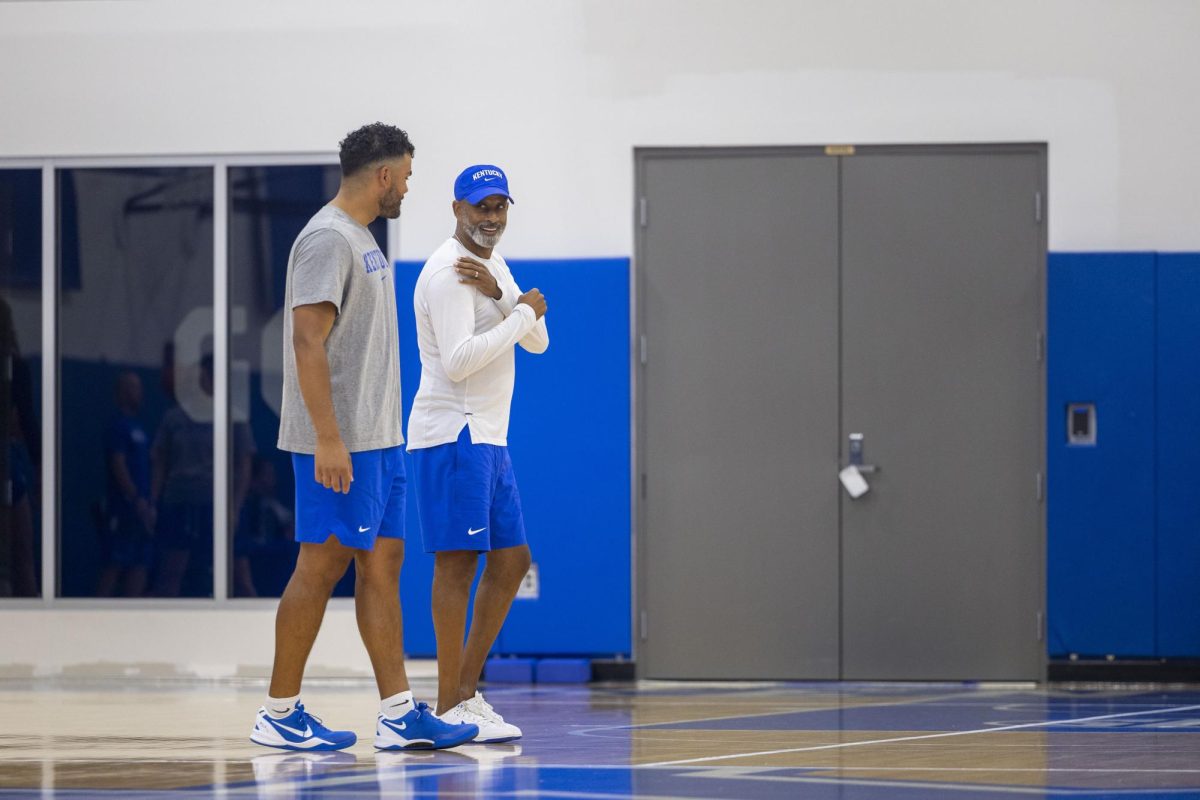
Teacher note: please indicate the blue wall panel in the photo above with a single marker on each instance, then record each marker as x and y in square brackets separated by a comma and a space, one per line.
[1178, 446]
[569, 439]
[1100, 500]
[1123, 516]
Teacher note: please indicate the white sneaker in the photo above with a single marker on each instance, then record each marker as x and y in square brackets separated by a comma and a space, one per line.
[477, 711]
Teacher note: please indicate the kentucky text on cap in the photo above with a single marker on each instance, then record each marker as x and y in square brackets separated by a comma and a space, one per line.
[479, 181]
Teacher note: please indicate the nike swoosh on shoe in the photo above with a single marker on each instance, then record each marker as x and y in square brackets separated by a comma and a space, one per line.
[291, 734]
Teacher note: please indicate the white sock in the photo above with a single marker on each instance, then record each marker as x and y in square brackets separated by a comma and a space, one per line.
[280, 707]
[397, 705]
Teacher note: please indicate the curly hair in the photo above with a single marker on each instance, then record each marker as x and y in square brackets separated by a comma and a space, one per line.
[371, 144]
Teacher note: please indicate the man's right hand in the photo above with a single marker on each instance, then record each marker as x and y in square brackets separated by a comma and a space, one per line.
[333, 469]
[534, 299]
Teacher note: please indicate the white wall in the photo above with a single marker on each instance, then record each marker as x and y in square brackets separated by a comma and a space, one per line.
[171, 641]
[560, 91]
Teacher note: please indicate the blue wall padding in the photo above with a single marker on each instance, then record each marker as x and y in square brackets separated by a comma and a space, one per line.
[1123, 517]
[1178, 444]
[563, 670]
[508, 670]
[1100, 500]
[569, 440]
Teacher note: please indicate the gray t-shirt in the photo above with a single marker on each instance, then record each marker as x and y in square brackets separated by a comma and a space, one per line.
[336, 260]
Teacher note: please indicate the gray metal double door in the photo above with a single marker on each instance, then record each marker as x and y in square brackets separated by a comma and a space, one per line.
[786, 299]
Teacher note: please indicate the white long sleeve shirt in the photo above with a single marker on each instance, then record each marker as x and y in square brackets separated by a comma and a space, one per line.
[466, 339]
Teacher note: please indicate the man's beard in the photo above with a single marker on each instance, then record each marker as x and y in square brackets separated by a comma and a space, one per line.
[483, 239]
[389, 204]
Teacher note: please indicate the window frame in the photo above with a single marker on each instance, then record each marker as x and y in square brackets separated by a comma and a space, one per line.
[51, 451]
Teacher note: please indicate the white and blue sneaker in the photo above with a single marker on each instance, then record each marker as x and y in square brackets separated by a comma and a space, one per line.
[298, 731]
[421, 729]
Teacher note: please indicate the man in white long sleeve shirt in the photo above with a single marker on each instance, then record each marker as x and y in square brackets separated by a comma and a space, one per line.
[470, 314]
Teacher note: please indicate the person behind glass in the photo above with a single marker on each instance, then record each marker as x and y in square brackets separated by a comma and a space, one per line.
[340, 420]
[182, 492]
[470, 313]
[263, 545]
[128, 519]
[19, 449]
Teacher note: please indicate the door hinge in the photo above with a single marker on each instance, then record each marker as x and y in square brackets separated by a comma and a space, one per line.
[1037, 206]
[642, 348]
[643, 486]
[1041, 347]
[1041, 627]
[642, 626]
[1041, 487]
[643, 212]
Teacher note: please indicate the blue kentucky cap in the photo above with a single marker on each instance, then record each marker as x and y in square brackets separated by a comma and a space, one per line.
[480, 181]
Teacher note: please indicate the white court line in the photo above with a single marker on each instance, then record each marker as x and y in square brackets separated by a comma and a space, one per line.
[892, 703]
[1038, 770]
[1036, 791]
[365, 764]
[939, 700]
[923, 736]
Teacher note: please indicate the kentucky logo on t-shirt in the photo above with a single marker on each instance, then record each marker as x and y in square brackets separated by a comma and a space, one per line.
[374, 261]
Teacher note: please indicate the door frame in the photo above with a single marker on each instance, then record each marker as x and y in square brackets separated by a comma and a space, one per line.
[639, 219]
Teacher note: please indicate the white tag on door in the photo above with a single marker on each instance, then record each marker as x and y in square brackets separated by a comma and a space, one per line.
[855, 483]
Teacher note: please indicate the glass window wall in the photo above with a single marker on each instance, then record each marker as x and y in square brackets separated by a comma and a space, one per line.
[20, 382]
[135, 321]
[133, 249]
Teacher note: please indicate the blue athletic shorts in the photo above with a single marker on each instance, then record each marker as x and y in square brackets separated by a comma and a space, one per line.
[373, 507]
[467, 497]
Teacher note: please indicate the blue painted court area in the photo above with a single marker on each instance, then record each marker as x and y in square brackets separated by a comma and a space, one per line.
[653, 740]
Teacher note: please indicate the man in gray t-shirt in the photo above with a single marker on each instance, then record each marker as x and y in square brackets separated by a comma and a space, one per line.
[340, 419]
[336, 261]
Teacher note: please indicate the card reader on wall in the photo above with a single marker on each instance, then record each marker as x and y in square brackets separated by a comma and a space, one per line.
[1081, 424]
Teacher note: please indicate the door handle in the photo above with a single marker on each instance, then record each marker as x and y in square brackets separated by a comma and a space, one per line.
[855, 451]
[852, 476]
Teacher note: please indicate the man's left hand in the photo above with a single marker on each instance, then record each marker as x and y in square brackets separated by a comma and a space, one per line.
[473, 273]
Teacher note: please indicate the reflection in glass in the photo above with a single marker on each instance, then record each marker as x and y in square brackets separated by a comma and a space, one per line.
[135, 365]
[269, 206]
[20, 382]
